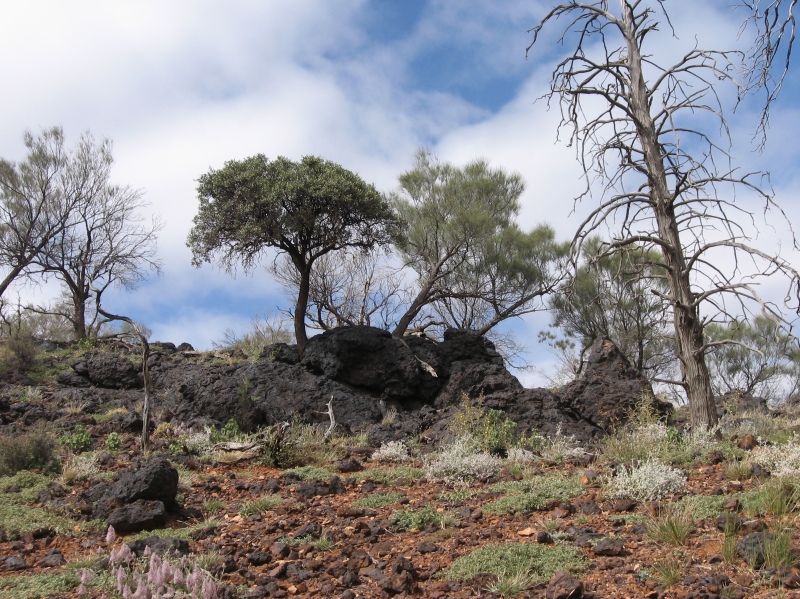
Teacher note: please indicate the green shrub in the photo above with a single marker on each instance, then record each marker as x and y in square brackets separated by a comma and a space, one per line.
[377, 500]
[672, 526]
[310, 473]
[26, 451]
[260, 505]
[113, 442]
[497, 433]
[531, 495]
[78, 441]
[540, 562]
[18, 353]
[409, 519]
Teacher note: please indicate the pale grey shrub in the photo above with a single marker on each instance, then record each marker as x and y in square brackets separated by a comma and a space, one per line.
[392, 451]
[461, 461]
[651, 480]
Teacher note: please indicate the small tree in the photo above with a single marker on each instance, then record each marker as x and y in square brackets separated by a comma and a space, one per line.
[753, 358]
[636, 122]
[38, 197]
[475, 267]
[106, 242]
[610, 296]
[350, 288]
[303, 209]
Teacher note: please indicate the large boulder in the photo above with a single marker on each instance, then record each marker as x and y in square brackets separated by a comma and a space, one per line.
[137, 516]
[103, 369]
[367, 358]
[608, 388]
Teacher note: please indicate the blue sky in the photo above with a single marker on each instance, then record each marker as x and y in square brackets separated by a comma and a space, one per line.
[182, 86]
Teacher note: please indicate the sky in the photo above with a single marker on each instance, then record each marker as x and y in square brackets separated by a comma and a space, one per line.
[181, 86]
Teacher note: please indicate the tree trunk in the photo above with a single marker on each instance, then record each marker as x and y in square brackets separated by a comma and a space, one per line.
[300, 308]
[688, 327]
[78, 318]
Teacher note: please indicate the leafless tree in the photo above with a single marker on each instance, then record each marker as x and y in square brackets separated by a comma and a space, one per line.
[647, 131]
[770, 56]
[38, 195]
[136, 335]
[106, 242]
[349, 288]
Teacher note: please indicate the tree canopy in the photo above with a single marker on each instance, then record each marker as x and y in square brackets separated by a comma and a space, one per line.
[475, 267]
[303, 209]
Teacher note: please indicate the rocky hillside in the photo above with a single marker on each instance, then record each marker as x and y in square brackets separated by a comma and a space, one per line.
[396, 502]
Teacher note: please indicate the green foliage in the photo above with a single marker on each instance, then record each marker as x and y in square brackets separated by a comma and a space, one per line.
[475, 266]
[18, 353]
[260, 505]
[24, 451]
[78, 441]
[672, 525]
[776, 497]
[304, 209]
[492, 429]
[410, 519]
[538, 561]
[38, 585]
[498, 432]
[668, 572]
[611, 296]
[113, 441]
[763, 359]
[377, 500]
[230, 431]
[526, 496]
[17, 516]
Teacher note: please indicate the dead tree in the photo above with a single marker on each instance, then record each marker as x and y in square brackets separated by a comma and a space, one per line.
[654, 136]
[137, 332]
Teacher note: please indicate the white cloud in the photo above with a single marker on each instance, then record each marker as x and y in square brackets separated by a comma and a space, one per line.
[183, 86]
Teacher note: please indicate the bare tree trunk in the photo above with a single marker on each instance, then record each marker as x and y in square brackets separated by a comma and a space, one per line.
[78, 318]
[688, 328]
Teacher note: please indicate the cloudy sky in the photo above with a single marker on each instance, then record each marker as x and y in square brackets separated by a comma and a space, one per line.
[181, 86]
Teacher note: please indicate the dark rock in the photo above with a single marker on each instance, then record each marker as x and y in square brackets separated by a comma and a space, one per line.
[156, 481]
[170, 546]
[608, 388]
[15, 562]
[349, 465]
[111, 371]
[317, 488]
[52, 559]
[728, 523]
[312, 529]
[751, 549]
[609, 547]
[259, 558]
[427, 547]
[564, 585]
[137, 516]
